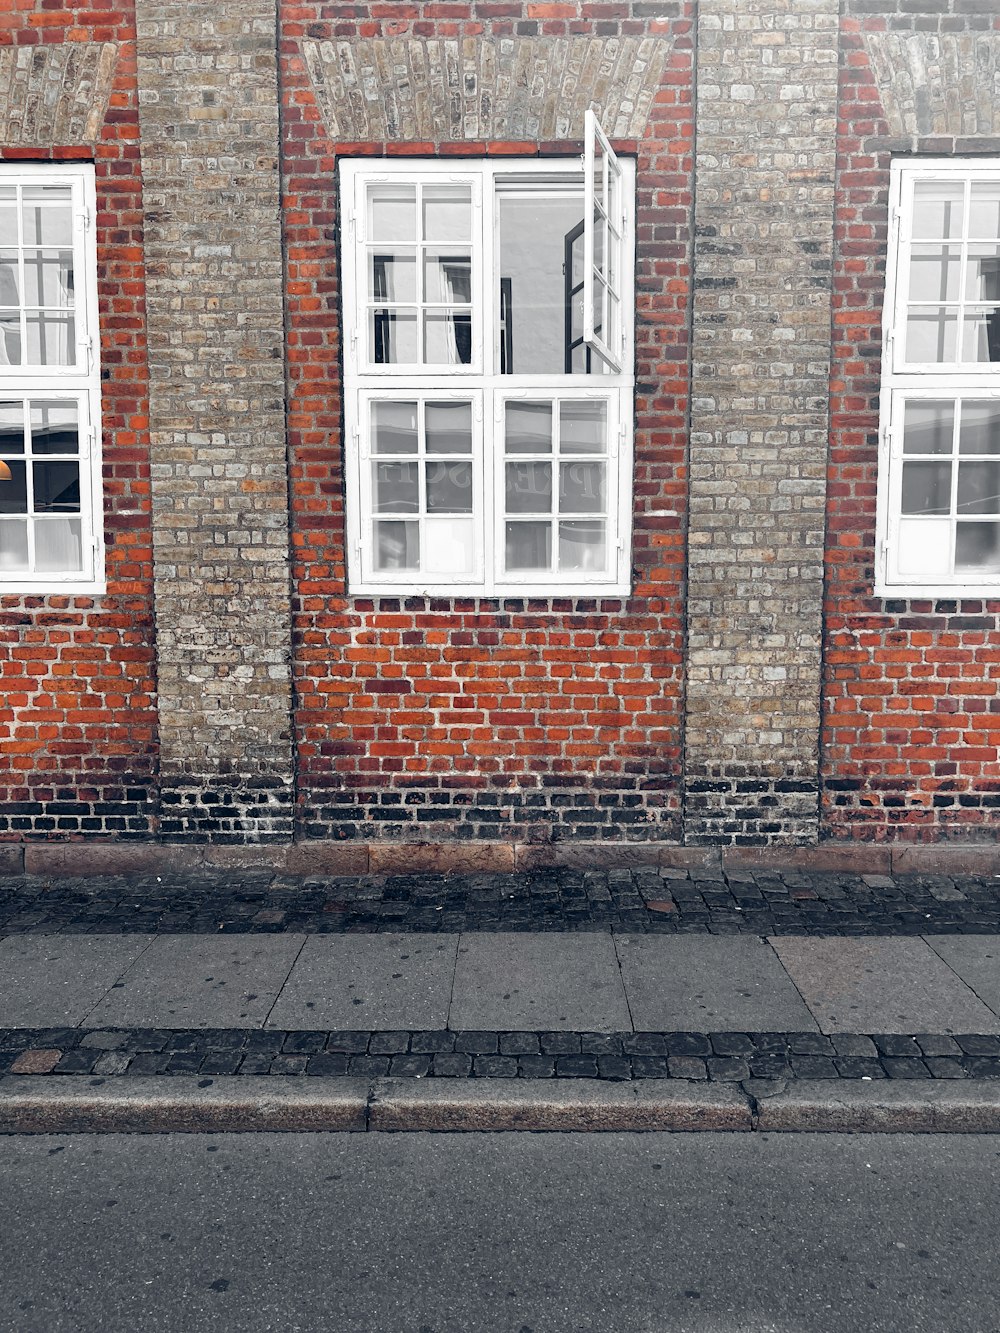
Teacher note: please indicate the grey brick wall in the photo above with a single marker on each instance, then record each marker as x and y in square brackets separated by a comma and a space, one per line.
[209, 118]
[766, 122]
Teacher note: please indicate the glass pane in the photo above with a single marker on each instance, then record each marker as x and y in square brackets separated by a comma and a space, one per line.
[977, 548]
[48, 278]
[537, 232]
[46, 225]
[447, 279]
[925, 547]
[583, 428]
[10, 338]
[13, 545]
[58, 545]
[928, 427]
[600, 246]
[931, 335]
[11, 429]
[396, 488]
[51, 339]
[392, 213]
[449, 546]
[528, 546]
[979, 430]
[57, 488]
[528, 488]
[448, 427]
[393, 337]
[8, 225]
[938, 210]
[396, 545]
[448, 338]
[979, 488]
[982, 275]
[528, 428]
[14, 491]
[10, 282]
[449, 487]
[447, 213]
[582, 488]
[984, 211]
[981, 336]
[926, 488]
[582, 547]
[935, 273]
[392, 276]
[394, 428]
[54, 428]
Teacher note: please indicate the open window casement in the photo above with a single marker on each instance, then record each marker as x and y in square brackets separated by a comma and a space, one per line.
[603, 242]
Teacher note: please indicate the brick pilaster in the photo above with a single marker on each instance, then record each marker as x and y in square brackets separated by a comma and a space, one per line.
[766, 117]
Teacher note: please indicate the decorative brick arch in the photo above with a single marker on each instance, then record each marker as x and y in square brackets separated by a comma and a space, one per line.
[938, 83]
[55, 94]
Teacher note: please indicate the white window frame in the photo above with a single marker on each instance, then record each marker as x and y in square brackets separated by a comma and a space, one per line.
[480, 382]
[80, 383]
[904, 381]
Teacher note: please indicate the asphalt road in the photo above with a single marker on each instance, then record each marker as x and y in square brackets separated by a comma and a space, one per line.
[513, 1233]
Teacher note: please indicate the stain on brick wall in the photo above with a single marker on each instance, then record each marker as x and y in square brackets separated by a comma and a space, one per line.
[77, 709]
[911, 727]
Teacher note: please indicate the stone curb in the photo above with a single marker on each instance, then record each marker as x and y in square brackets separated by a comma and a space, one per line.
[179, 1104]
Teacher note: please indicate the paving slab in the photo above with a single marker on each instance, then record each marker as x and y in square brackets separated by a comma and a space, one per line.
[708, 983]
[55, 980]
[881, 985]
[976, 959]
[383, 982]
[201, 981]
[533, 982]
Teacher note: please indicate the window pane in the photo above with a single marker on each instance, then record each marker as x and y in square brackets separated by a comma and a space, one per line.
[582, 547]
[46, 225]
[979, 488]
[394, 428]
[979, 431]
[10, 338]
[54, 428]
[58, 545]
[56, 487]
[928, 427]
[528, 546]
[48, 278]
[984, 210]
[51, 339]
[14, 493]
[925, 547]
[582, 488]
[938, 210]
[583, 428]
[448, 338]
[392, 212]
[11, 429]
[10, 281]
[977, 548]
[529, 428]
[396, 488]
[935, 273]
[447, 213]
[449, 546]
[931, 335]
[396, 545]
[449, 487]
[927, 488]
[394, 337]
[8, 225]
[13, 545]
[448, 279]
[392, 276]
[981, 338]
[449, 428]
[529, 488]
[982, 275]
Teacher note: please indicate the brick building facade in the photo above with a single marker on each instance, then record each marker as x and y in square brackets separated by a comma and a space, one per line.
[742, 684]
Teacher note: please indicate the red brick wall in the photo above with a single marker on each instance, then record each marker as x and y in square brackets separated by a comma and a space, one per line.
[441, 718]
[77, 718]
[911, 731]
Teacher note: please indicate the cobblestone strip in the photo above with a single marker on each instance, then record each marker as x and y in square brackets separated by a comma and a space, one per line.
[721, 1057]
[634, 901]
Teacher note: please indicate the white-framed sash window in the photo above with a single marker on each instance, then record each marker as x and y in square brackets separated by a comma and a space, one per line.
[939, 461]
[488, 407]
[50, 401]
